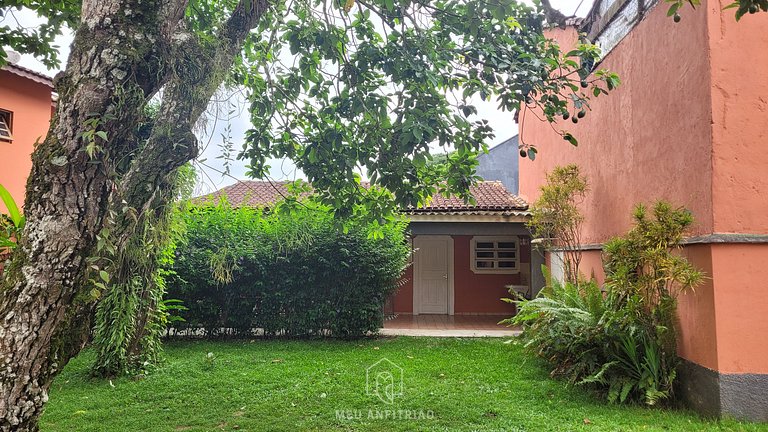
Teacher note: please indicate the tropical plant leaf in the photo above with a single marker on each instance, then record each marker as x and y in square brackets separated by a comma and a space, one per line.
[13, 209]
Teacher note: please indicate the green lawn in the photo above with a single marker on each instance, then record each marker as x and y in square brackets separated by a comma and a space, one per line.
[449, 384]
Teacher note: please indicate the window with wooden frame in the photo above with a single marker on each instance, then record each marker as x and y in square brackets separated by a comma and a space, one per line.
[495, 254]
[6, 126]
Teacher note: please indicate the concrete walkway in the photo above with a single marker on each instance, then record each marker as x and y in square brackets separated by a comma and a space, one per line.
[448, 326]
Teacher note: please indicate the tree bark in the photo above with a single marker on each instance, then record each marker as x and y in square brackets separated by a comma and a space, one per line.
[122, 54]
[44, 305]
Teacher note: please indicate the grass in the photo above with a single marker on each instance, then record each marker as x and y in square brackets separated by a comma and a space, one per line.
[451, 384]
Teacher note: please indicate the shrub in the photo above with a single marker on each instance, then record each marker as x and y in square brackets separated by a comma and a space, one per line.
[620, 341]
[292, 272]
[556, 218]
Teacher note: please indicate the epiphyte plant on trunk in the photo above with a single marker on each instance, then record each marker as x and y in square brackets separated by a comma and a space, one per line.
[11, 223]
[367, 84]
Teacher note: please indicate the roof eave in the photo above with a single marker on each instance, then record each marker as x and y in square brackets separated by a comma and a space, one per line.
[29, 74]
[519, 216]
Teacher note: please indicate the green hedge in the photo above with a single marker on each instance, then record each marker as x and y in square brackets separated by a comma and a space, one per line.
[294, 272]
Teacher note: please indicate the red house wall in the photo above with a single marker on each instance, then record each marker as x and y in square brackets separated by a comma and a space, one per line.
[478, 293]
[473, 293]
[403, 299]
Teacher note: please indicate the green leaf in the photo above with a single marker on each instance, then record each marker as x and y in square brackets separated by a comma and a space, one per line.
[102, 135]
[5, 243]
[104, 276]
[673, 9]
[532, 154]
[10, 204]
[571, 139]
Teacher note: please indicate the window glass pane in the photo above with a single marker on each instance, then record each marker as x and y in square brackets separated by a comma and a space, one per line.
[5, 130]
[495, 255]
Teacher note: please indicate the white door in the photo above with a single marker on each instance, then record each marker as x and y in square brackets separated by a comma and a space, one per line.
[432, 274]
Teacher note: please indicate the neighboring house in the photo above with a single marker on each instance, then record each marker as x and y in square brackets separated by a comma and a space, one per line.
[687, 125]
[501, 164]
[25, 115]
[465, 255]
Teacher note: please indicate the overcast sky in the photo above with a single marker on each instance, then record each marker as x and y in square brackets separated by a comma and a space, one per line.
[235, 125]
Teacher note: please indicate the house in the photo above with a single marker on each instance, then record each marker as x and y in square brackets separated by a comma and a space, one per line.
[688, 126]
[26, 109]
[501, 164]
[466, 255]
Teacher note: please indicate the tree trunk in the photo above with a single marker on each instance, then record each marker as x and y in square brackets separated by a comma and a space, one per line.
[45, 303]
[123, 52]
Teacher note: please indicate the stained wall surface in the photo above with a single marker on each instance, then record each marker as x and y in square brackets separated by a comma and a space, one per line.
[650, 139]
[688, 126]
[739, 93]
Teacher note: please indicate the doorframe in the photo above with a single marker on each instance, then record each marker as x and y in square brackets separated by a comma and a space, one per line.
[417, 275]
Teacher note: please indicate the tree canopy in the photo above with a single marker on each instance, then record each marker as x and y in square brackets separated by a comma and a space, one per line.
[339, 87]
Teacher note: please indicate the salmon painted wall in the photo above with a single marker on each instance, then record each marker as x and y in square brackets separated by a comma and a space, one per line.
[741, 307]
[697, 338]
[739, 108]
[592, 265]
[649, 139]
[683, 127]
[30, 103]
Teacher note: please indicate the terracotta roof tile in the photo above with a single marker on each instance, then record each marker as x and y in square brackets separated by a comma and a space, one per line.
[491, 196]
[248, 192]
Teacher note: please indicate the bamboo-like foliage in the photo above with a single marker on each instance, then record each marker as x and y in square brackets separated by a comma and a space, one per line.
[646, 266]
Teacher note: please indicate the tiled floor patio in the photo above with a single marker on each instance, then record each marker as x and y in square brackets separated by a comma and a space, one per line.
[448, 326]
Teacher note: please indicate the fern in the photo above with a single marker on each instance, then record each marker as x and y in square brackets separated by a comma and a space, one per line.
[619, 338]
